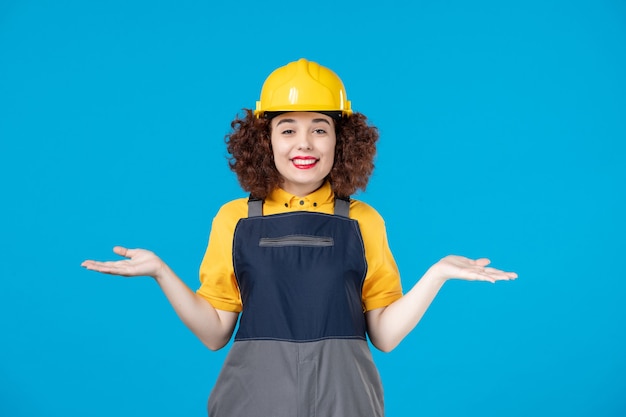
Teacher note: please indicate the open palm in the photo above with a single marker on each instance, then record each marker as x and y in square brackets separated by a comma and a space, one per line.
[459, 267]
[139, 262]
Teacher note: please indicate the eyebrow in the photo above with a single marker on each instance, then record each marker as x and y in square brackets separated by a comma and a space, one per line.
[294, 121]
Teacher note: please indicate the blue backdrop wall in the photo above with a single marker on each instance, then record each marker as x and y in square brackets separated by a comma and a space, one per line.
[502, 135]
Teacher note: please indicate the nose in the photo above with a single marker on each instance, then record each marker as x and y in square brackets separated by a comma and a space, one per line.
[305, 142]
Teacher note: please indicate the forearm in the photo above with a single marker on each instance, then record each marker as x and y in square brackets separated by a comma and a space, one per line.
[213, 327]
[388, 326]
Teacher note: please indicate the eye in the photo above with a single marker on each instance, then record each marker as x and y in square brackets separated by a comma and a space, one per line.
[319, 131]
[288, 132]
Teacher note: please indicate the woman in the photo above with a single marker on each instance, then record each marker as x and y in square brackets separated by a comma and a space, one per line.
[308, 268]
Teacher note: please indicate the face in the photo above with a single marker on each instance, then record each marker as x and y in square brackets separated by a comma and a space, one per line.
[304, 150]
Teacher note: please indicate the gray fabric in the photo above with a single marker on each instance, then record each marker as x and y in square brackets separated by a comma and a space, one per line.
[327, 378]
[342, 207]
[255, 207]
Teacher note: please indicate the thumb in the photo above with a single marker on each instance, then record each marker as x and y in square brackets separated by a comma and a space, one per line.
[482, 262]
[122, 251]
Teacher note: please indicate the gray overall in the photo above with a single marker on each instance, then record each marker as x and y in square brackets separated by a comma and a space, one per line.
[300, 349]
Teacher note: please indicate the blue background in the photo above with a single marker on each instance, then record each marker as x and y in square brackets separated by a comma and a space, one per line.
[502, 135]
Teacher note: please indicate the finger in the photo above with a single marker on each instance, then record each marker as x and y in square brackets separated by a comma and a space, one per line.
[511, 275]
[485, 276]
[500, 275]
[499, 271]
[86, 264]
[126, 253]
[476, 273]
[493, 275]
[122, 251]
[482, 261]
[110, 267]
[95, 266]
[494, 271]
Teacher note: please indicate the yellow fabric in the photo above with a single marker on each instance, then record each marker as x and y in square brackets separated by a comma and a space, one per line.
[219, 286]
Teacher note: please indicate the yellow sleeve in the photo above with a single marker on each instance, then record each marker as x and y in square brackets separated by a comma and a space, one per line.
[217, 276]
[382, 284]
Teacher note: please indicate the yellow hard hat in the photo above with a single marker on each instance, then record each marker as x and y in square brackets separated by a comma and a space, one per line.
[303, 86]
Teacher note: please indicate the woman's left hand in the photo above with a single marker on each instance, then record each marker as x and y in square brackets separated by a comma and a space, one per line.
[459, 267]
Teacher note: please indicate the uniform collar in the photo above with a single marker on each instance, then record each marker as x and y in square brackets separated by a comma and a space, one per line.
[314, 201]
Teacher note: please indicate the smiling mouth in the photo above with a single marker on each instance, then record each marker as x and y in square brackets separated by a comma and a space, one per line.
[304, 163]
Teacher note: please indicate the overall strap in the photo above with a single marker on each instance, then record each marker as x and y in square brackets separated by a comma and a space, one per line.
[255, 207]
[342, 206]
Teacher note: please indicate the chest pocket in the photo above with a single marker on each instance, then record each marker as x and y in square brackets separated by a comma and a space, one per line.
[296, 240]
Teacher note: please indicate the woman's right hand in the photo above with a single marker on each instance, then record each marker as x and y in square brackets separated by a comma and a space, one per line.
[139, 262]
[212, 326]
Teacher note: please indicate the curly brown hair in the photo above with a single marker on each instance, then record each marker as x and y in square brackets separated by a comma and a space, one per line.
[252, 158]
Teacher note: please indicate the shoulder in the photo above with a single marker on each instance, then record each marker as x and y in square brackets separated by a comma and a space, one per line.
[365, 214]
[231, 212]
